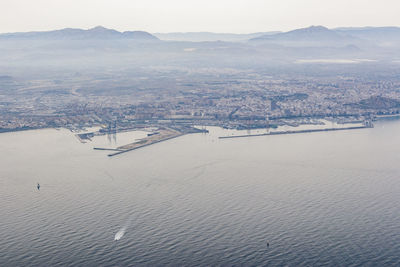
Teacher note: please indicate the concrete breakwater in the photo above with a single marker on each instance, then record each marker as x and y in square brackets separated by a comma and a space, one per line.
[295, 132]
[107, 149]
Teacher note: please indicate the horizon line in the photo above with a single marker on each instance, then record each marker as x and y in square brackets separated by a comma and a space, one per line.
[186, 32]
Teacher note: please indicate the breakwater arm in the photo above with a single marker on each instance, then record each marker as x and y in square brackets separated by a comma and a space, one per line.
[295, 132]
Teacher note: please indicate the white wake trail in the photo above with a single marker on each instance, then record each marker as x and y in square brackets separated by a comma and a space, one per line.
[122, 231]
[120, 234]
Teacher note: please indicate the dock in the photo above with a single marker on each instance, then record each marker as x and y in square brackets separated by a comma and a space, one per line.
[160, 136]
[143, 145]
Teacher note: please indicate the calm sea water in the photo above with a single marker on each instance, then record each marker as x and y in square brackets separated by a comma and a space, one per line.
[329, 199]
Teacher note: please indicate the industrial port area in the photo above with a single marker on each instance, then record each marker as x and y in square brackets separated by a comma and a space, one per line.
[160, 133]
[157, 135]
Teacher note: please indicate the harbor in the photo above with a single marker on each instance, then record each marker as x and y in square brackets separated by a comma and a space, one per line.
[159, 134]
[143, 137]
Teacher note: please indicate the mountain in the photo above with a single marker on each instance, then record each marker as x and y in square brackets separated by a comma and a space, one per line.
[378, 35]
[98, 32]
[314, 36]
[139, 35]
[208, 36]
[311, 36]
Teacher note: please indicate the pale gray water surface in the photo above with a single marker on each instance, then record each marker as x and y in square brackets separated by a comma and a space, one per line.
[326, 198]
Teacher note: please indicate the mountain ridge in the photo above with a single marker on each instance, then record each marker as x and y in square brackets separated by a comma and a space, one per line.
[309, 36]
[98, 32]
[312, 36]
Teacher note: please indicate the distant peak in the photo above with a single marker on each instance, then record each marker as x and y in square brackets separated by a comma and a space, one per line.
[310, 34]
[98, 28]
[315, 29]
[139, 35]
[312, 30]
[318, 27]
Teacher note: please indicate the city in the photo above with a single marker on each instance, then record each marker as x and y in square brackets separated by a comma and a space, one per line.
[241, 100]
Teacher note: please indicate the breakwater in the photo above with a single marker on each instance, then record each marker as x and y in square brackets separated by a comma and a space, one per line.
[295, 132]
[107, 149]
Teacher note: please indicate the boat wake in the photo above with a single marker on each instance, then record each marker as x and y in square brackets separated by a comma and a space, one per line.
[120, 234]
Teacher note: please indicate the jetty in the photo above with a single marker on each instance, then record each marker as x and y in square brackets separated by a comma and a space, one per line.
[107, 149]
[296, 132]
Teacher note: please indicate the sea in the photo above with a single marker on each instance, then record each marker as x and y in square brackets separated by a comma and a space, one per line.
[309, 199]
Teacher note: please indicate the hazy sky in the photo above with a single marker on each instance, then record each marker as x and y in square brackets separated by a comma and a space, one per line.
[240, 16]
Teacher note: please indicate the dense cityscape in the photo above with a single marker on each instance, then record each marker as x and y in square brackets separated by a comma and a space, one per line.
[232, 99]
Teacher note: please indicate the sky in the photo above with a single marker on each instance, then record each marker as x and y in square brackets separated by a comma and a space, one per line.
[235, 16]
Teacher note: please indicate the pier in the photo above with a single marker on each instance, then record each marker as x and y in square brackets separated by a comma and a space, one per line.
[121, 151]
